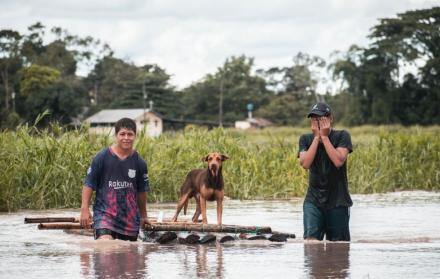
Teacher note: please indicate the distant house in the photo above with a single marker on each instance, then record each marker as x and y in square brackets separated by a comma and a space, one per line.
[103, 121]
[253, 123]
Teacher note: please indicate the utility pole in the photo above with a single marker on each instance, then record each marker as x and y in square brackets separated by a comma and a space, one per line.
[13, 101]
[95, 91]
[220, 104]
[144, 95]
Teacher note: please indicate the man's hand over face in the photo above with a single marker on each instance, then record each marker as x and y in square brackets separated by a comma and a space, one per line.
[324, 124]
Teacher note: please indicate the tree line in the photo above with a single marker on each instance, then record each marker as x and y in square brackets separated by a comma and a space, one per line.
[394, 80]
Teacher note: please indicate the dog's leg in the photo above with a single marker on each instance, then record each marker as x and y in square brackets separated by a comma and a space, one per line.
[203, 208]
[219, 199]
[219, 212]
[183, 199]
[195, 218]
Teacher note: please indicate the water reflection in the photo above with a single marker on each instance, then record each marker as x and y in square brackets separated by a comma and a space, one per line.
[378, 249]
[202, 261]
[327, 260]
[108, 260]
[125, 261]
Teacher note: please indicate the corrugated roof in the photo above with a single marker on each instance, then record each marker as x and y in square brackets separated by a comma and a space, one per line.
[261, 122]
[113, 115]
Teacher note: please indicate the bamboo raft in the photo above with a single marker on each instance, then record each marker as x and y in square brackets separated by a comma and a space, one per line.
[166, 231]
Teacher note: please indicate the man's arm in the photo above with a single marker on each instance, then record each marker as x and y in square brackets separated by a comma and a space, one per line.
[85, 218]
[306, 157]
[142, 204]
[337, 155]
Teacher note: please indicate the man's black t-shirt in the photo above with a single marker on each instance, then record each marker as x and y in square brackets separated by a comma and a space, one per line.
[328, 185]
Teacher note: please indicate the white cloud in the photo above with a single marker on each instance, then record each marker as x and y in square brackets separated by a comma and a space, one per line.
[194, 37]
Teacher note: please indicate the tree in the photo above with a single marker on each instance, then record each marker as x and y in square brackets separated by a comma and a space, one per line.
[414, 37]
[110, 79]
[119, 84]
[35, 78]
[28, 65]
[85, 50]
[201, 99]
[284, 110]
[156, 88]
[62, 103]
[368, 78]
[223, 96]
[300, 79]
[10, 61]
[376, 80]
[57, 56]
[295, 89]
[33, 45]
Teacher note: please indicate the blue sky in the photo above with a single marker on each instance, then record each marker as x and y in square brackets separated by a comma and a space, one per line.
[194, 37]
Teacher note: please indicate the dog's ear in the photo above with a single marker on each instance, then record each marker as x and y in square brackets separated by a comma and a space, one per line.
[225, 157]
[205, 158]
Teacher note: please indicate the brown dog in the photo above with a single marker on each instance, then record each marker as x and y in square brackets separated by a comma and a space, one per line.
[204, 184]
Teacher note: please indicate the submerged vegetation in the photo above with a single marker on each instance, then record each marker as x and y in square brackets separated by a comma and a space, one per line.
[44, 168]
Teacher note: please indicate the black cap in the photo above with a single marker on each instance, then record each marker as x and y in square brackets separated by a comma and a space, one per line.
[320, 109]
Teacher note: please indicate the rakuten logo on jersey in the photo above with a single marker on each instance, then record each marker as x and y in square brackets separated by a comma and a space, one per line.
[120, 184]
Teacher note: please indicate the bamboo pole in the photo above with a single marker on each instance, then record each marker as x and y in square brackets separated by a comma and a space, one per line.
[60, 226]
[50, 220]
[77, 226]
[208, 228]
[71, 223]
[288, 235]
[171, 227]
[30, 220]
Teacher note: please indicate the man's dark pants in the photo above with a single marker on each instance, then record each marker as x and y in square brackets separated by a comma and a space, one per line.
[331, 223]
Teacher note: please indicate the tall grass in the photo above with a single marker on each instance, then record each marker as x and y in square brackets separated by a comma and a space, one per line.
[403, 159]
[254, 170]
[41, 169]
[45, 169]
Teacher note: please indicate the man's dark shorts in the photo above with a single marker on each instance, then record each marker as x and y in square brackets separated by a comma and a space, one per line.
[331, 223]
[115, 235]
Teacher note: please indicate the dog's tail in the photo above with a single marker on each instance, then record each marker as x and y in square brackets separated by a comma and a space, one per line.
[185, 206]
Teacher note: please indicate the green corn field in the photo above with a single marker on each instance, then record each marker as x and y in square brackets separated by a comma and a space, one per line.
[42, 169]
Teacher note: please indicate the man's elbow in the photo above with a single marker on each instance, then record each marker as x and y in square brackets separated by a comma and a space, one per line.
[304, 165]
[339, 163]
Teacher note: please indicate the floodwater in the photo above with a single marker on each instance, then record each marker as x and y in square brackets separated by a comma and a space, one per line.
[394, 235]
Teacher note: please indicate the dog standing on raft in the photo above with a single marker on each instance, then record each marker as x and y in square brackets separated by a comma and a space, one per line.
[204, 185]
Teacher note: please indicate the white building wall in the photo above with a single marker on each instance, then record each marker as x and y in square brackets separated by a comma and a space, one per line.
[154, 126]
[243, 125]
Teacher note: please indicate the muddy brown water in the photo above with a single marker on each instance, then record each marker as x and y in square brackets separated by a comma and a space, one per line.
[394, 235]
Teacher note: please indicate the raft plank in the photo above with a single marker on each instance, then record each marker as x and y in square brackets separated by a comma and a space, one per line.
[208, 228]
[30, 220]
[77, 226]
[50, 220]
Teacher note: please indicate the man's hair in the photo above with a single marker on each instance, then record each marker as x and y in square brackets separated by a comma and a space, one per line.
[126, 123]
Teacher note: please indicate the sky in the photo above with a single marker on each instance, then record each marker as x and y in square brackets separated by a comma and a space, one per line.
[191, 38]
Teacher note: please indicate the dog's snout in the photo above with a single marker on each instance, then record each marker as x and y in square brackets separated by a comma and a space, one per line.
[214, 167]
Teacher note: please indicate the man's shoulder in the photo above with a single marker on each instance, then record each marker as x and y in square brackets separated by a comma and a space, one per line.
[341, 133]
[102, 153]
[306, 136]
[342, 138]
[138, 157]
